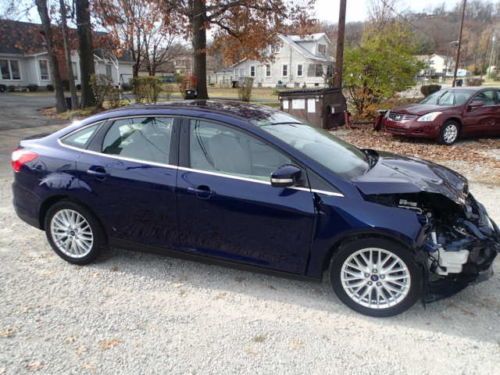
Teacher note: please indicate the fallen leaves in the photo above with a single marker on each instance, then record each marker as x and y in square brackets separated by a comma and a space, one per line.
[7, 332]
[34, 366]
[477, 159]
[109, 344]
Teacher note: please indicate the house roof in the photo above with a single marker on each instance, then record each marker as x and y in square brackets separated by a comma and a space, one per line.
[25, 38]
[297, 45]
[20, 37]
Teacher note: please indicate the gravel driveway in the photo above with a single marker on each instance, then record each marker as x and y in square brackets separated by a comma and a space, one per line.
[140, 313]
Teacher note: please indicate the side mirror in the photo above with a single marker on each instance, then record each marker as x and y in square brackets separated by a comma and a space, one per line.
[475, 104]
[286, 175]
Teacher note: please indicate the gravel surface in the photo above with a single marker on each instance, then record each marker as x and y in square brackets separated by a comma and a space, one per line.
[142, 313]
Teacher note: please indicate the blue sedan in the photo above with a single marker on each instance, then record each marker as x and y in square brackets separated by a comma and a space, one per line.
[253, 186]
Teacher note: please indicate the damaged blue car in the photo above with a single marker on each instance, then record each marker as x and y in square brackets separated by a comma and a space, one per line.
[252, 186]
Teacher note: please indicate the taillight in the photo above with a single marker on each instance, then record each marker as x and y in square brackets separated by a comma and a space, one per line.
[21, 157]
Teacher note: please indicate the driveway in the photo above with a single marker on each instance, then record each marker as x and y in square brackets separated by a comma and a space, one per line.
[20, 117]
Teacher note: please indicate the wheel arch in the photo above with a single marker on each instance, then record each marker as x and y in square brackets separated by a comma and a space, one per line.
[50, 201]
[348, 237]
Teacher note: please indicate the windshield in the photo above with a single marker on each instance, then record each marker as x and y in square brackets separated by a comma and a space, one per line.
[331, 152]
[448, 97]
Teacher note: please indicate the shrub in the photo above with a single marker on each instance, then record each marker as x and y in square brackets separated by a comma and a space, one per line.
[12, 88]
[474, 81]
[245, 89]
[50, 87]
[102, 86]
[32, 87]
[146, 89]
[127, 87]
[3, 88]
[427, 90]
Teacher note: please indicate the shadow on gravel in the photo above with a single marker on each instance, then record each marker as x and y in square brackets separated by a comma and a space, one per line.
[473, 313]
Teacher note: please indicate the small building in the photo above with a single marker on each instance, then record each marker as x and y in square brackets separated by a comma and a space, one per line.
[24, 60]
[436, 65]
[299, 61]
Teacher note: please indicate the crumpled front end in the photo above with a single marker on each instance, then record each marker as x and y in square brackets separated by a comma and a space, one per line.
[457, 244]
[460, 247]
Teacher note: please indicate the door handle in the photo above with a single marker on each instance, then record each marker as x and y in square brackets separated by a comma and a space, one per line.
[201, 191]
[97, 171]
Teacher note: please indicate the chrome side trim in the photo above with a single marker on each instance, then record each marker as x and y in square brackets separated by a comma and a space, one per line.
[116, 157]
[317, 191]
[218, 174]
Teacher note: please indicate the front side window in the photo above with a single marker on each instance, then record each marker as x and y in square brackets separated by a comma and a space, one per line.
[44, 70]
[81, 138]
[318, 144]
[285, 70]
[219, 148]
[141, 138]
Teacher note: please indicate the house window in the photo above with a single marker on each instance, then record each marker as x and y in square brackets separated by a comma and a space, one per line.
[299, 70]
[44, 70]
[322, 49]
[74, 67]
[109, 73]
[268, 70]
[10, 69]
[252, 71]
[284, 72]
[318, 72]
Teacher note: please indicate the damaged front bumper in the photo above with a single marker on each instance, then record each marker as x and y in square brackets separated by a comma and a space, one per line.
[461, 256]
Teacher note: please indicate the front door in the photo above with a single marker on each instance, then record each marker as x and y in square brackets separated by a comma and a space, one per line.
[482, 120]
[132, 180]
[227, 207]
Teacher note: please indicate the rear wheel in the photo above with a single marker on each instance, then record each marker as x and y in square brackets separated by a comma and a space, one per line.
[449, 132]
[376, 277]
[73, 232]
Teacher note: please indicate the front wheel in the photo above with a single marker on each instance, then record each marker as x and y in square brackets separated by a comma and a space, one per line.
[376, 277]
[449, 133]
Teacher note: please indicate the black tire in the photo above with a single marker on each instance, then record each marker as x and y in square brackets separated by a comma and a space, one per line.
[99, 239]
[404, 254]
[444, 138]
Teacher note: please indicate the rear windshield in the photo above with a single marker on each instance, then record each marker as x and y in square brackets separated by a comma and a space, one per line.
[448, 97]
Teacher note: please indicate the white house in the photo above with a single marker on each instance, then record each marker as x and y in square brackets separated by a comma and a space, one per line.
[297, 62]
[436, 65]
[23, 60]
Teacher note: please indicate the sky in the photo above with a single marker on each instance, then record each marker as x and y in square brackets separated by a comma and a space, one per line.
[358, 10]
[326, 10]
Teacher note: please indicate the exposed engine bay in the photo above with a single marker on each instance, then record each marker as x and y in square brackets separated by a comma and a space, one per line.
[458, 241]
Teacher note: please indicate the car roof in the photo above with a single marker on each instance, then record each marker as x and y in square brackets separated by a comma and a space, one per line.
[469, 88]
[242, 110]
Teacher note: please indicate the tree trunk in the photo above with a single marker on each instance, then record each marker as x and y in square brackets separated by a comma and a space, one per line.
[197, 19]
[87, 68]
[54, 66]
[67, 52]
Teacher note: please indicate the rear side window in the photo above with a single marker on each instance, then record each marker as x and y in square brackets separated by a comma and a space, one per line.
[80, 138]
[144, 138]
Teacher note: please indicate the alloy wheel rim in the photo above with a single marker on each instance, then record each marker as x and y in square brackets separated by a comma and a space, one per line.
[450, 133]
[71, 233]
[375, 278]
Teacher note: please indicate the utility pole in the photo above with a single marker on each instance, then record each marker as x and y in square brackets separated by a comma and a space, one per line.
[459, 45]
[339, 60]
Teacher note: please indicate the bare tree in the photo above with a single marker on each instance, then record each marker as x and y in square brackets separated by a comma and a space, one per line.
[53, 63]
[86, 51]
[67, 53]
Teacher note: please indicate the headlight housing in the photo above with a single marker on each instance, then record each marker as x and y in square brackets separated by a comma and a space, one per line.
[428, 117]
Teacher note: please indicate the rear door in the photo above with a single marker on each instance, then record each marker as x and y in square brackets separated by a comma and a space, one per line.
[131, 173]
[227, 206]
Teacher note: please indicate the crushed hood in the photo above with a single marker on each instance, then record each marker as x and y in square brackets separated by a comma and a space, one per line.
[394, 174]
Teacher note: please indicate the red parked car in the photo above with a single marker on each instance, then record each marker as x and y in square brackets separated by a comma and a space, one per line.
[448, 114]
